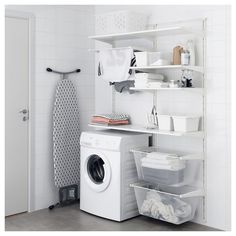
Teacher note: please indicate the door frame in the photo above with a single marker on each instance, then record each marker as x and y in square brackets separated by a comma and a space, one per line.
[31, 82]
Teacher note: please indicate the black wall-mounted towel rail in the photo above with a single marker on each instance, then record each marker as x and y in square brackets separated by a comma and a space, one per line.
[63, 73]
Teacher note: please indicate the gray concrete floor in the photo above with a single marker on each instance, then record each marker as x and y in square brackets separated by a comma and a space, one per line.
[71, 218]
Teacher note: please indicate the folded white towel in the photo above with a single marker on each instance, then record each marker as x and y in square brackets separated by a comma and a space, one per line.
[161, 162]
[157, 85]
[163, 166]
[149, 76]
[154, 84]
[161, 155]
[114, 64]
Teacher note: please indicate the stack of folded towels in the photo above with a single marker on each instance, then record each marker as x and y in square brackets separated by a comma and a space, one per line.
[111, 119]
[164, 161]
[149, 80]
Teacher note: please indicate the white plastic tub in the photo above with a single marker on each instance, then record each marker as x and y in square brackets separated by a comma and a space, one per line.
[189, 174]
[186, 123]
[173, 205]
[146, 58]
[165, 122]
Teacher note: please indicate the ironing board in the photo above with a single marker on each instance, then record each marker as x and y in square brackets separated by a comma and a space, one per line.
[66, 135]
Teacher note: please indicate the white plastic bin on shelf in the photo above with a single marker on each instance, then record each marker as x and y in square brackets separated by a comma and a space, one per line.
[186, 123]
[185, 169]
[120, 22]
[173, 205]
[146, 58]
[165, 122]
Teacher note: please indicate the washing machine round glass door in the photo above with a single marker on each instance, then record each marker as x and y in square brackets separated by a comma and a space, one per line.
[98, 172]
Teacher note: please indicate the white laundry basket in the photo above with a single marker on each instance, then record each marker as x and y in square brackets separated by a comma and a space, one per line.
[183, 176]
[120, 22]
[173, 205]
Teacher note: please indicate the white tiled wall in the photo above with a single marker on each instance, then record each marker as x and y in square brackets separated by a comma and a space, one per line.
[217, 101]
[62, 44]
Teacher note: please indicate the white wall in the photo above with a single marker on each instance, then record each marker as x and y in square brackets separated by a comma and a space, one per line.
[62, 44]
[217, 99]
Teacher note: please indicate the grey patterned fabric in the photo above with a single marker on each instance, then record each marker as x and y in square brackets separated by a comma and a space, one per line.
[66, 135]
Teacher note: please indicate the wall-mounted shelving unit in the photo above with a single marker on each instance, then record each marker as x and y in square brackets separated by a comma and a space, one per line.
[142, 129]
[153, 35]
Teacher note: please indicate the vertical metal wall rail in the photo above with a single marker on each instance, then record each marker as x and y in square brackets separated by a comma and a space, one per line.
[113, 92]
[204, 120]
[155, 136]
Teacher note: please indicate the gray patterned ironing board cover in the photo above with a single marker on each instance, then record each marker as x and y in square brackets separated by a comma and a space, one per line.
[66, 135]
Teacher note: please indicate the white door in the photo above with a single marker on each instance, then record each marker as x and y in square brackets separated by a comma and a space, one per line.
[16, 114]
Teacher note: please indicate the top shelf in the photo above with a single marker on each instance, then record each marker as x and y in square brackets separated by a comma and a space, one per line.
[109, 38]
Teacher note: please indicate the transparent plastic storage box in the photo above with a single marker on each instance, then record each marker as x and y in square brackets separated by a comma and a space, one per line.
[191, 164]
[173, 205]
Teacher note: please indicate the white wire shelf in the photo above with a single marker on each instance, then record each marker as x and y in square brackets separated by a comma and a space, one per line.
[199, 69]
[142, 129]
[193, 90]
[165, 31]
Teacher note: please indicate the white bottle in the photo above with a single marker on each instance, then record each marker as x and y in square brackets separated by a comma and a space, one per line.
[190, 48]
[185, 57]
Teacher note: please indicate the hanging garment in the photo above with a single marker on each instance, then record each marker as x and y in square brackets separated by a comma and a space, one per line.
[123, 86]
[66, 135]
[114, 64]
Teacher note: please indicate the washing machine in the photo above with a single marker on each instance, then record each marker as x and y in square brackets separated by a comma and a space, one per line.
[107, 169]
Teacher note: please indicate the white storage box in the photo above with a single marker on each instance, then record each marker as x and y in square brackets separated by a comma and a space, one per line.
[173, 205]
[186, 169]
[163, 59]
[165, 122]
[120, 22]
[146, 58]
[186, 123]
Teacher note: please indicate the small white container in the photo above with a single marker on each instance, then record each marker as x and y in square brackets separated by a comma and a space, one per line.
[153, 56]
[186, 123]
[146, 58]
[165, 122]
[162, 60]
[141, 58]
[185, 58]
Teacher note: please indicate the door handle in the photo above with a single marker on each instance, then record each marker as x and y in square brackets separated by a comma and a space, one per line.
[24, 111]
[25, 118]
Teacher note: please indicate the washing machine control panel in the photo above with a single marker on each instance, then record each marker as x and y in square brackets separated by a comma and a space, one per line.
[100, 141]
